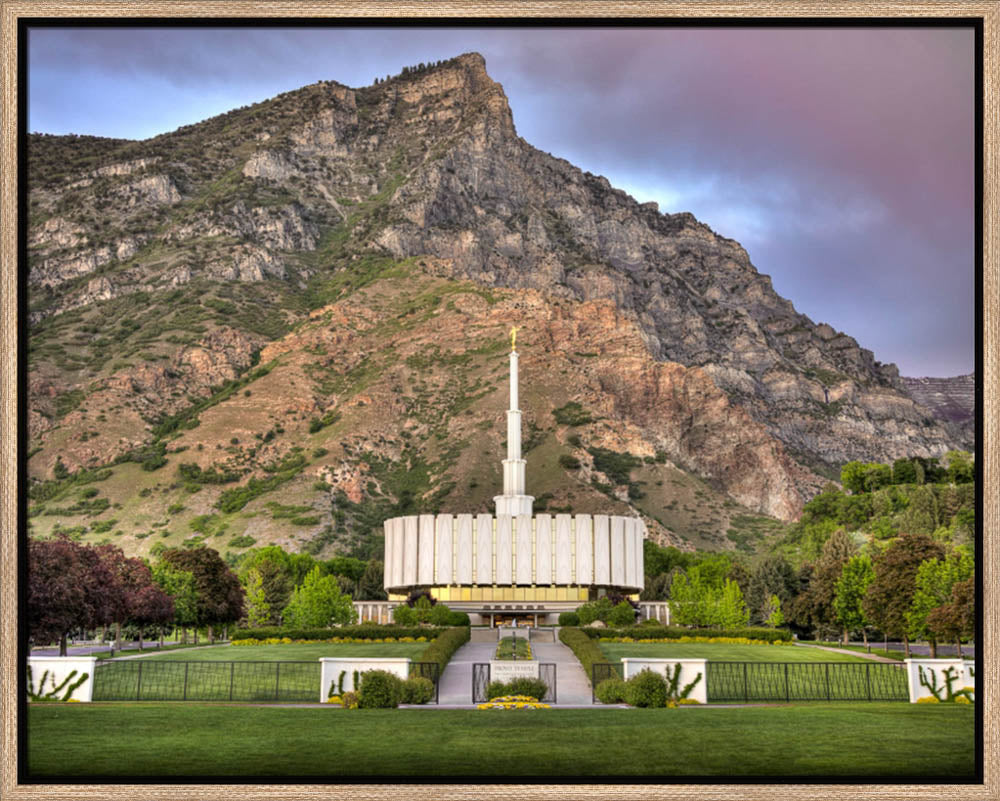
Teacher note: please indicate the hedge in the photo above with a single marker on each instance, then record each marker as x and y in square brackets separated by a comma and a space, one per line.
[676, 632]
[369, 632]
[444, 646]
[584, 647]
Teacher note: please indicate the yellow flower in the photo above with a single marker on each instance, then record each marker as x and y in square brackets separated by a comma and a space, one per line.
[928, 699]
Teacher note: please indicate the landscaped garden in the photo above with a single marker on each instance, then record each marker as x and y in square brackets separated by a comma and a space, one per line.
[916, 742]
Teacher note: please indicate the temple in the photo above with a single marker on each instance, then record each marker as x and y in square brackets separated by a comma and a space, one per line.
[514, 566]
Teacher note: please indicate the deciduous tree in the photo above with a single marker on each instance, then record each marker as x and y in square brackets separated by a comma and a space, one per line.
[319, 603]
[849, 591]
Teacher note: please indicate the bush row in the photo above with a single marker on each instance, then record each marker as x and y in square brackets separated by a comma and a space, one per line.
[383, 690]
[584, 647]
[646, 689]
[444, 646]
[364, 632]
[355, 640]
[676, 632]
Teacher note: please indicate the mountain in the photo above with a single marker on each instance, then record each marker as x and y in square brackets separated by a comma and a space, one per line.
[303, 302]
[951, 400]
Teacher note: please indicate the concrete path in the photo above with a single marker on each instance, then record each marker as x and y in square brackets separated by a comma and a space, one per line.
[872, 657]
[455, 687]
[572, 687]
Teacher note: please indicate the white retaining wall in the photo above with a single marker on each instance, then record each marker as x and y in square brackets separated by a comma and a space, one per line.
[690, 668]
[331, 667]
[937, 668]
[58, 668]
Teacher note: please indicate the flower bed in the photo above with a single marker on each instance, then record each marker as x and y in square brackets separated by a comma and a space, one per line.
[355, 640]
[718, 640]
[514, 702]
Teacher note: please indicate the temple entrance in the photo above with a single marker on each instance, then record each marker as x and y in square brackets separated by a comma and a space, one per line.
[526, 619]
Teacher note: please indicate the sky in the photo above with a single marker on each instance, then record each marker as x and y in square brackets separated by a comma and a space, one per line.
[842, 159]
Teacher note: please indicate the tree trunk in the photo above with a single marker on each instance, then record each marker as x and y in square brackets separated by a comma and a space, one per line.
[104, 634]
[118, 636]
[906, 646]
[195, 630]
[211, 634]
[62, 645]
[864, 636]
[140, 640]
[161, 636]
[846, 637]
[225, 632]
[959, 644]
[933, 644]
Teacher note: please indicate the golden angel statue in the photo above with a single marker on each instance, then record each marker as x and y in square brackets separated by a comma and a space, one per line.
[513, 336]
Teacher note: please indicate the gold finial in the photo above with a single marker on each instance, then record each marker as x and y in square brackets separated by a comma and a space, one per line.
[513, 336]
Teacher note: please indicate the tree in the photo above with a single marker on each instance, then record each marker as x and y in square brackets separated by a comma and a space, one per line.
[770, 575]
[180, 586]
[730, 609]
[852, 476]
[817, 605]
[318, 603]
[371, 587]
[904, 472]
[69, 587]
[220, 594]
[774, 616]
[890, 595]
[849, 591]
[934, 582]
[132, 579]
[257, 606]
[961, 467]
[955, 620]
[271, 566]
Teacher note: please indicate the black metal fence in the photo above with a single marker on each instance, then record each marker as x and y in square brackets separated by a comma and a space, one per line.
[481, 680]
[149, 680]
[806, 681]
[746, 682]
[427, 670]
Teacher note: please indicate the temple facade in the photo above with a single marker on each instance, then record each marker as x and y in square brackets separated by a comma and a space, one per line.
[513, 566]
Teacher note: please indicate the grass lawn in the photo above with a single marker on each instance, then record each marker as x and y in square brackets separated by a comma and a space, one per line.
[293, 652]
[719, 652]
[813, 740]
[899, 656]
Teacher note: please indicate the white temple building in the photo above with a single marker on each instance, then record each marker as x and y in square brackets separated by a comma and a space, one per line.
[513, 566]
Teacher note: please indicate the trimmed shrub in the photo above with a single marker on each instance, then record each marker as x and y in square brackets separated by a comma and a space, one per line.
[646, 689]
[417, 690]
[536, 688]
[611, 691]
[445, 645]
[583, 646]
[676, 632]
[622, 615]
[569, 619]
[595, 610]
[403, 615]
[349, 700]
[458, 618]
[439, 615]
[380, 690]
[361, 632]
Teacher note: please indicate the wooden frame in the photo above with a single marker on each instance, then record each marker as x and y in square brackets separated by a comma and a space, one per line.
[13, 10]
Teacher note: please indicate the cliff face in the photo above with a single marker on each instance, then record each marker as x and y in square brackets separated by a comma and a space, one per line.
[157, 270]
[951, 400]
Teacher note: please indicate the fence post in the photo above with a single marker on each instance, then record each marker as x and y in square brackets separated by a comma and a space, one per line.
[138, 683]
[788, 696]
[186, 666]
[277, 683]
[232, 669]
[746, 686]
[868, 682]
[827, 681]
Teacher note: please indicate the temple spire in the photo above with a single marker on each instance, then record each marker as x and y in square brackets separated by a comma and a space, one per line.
[513, 501]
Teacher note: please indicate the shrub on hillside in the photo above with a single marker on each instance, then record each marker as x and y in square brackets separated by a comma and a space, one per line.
[610, 691]
[646, 689]
[569, 619]
[380, 690]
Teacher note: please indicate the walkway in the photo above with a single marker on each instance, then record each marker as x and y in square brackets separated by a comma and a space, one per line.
[572, 687]
[862, 654]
